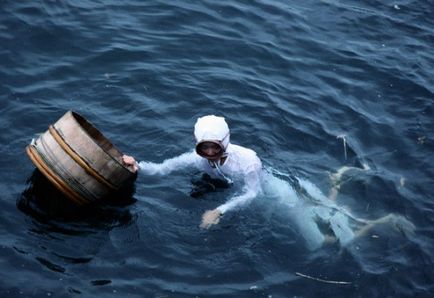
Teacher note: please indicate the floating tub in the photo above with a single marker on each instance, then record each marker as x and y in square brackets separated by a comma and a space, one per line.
[79, 160]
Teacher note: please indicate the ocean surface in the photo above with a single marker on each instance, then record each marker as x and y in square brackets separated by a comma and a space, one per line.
[339, 93]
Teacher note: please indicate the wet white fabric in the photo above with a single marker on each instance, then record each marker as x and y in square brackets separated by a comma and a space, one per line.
[240, 163]
[308, 209]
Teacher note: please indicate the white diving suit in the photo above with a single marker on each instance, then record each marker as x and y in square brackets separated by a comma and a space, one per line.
[309, 209]
[239, 162]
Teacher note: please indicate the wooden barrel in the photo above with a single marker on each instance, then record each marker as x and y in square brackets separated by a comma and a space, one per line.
[79, 160]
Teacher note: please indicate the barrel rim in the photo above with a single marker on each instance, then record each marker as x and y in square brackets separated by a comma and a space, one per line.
[80, 120]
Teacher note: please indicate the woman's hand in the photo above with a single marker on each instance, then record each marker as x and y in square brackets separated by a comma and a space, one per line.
[130, 162]
[209, 218]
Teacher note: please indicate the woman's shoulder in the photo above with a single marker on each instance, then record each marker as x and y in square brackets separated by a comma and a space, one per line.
[245, 156]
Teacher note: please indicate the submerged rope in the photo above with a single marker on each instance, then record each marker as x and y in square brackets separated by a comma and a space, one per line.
[323, 280]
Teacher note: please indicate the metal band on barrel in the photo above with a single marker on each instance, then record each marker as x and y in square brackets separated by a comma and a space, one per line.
[58, 182]
[77, 158]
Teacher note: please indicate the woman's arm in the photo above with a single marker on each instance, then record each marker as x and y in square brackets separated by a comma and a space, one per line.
[250, 191]
[169, 165]
[252, 187]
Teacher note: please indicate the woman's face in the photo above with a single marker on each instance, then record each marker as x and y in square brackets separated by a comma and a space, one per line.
[210, 150]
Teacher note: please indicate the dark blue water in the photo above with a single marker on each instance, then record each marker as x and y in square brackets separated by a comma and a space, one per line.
[293, 79]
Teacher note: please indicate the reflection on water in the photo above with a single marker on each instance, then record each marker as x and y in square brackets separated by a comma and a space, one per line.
[69, 234]
[44, 202]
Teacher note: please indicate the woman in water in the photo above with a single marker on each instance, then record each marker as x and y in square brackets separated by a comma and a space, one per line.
[318, 218]
[218, 158]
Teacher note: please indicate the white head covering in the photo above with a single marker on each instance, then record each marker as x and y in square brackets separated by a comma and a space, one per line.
[212, 129]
